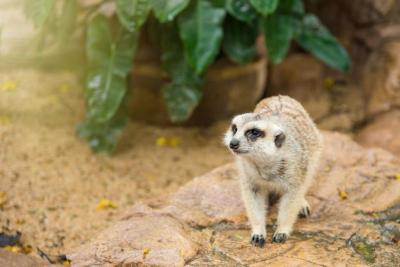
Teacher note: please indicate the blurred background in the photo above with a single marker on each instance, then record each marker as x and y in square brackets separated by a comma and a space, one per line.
[104, 104]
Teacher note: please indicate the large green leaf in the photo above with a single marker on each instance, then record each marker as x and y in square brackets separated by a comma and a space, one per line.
[241, 9]
[265, 7]
[200, 28]
[166, 10]
[110, 60]
[184, 93]
[110, 57]
[133, 13]
[279, 31]
[239, 40]
[316, 39]
[39, 11]
[181, 100]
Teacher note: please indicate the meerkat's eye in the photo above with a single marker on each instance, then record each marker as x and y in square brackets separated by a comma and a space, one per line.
[254, 133]
[234, 128]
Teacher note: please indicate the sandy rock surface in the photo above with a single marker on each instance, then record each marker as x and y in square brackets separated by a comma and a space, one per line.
[11, 259]
[382, 132]
[355, 204]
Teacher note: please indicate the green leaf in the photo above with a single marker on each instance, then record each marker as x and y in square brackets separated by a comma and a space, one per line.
[39, 11]
[290, 7]
[105, 92]
[265, 7]
[166, 10]
[241, 10]
[279, 31]
[200, 29]
[181, 100]
[102, 137]
[110, 61]
[133, 13]
[316, 39]
[110, 56]
[218, 3]
[239, 41]
[183, 94]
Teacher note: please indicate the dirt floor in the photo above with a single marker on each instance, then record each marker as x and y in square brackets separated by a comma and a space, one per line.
[53, 182]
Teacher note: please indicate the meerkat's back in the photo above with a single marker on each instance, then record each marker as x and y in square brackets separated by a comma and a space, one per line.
[293, 116]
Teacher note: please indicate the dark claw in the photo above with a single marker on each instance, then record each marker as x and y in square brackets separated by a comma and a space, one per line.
[279, 238]
[257, 240]
[304, 212]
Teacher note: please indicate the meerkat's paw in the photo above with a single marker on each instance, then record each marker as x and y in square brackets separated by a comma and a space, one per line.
[305, 210]
[257, 240]
[280, 237]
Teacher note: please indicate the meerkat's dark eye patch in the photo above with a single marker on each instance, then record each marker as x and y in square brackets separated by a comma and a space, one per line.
[254, 133]
[280, 139]
[234, 128]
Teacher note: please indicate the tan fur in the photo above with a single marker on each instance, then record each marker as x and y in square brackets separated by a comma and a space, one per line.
[266, 168]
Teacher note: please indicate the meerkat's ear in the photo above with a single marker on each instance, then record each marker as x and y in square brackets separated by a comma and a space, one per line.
[279, 138]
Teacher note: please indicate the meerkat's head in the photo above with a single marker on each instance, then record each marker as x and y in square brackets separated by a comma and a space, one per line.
[250, 135]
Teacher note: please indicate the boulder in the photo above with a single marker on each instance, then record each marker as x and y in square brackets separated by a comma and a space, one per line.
[367, 12]
[355, 204]
[381, 79]
[333, 103]
[301, 77]
[148, 238]
[382, 132]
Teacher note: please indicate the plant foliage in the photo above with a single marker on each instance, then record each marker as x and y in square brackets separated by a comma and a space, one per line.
[189, 34]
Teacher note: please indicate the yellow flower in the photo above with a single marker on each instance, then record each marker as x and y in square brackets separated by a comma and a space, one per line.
[146, 251]
[174, 141]
[14, 249]
[165, 141]
[3, 198]
[329, 82]
[342, 194]
[8, 86]
[397, 176]
[161, 141]
[106, 204]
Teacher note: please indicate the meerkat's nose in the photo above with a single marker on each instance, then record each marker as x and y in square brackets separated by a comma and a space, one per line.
[234, 144]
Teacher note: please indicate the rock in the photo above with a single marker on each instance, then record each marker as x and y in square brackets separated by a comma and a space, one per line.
[381, 80]
[355, 204]
[209, 199]
[301, 77]
[145, 238]
[382, 132]
[347, 108]
[228, 89]
[364, 12]
[11, 259]
[333, 103]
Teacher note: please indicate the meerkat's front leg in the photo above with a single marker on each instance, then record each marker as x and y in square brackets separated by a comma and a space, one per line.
[255, 204]
[290, 205]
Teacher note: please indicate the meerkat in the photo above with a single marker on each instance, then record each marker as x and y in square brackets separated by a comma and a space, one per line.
[277, 150]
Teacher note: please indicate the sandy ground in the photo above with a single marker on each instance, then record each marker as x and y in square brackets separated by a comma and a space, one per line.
[52, 180]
